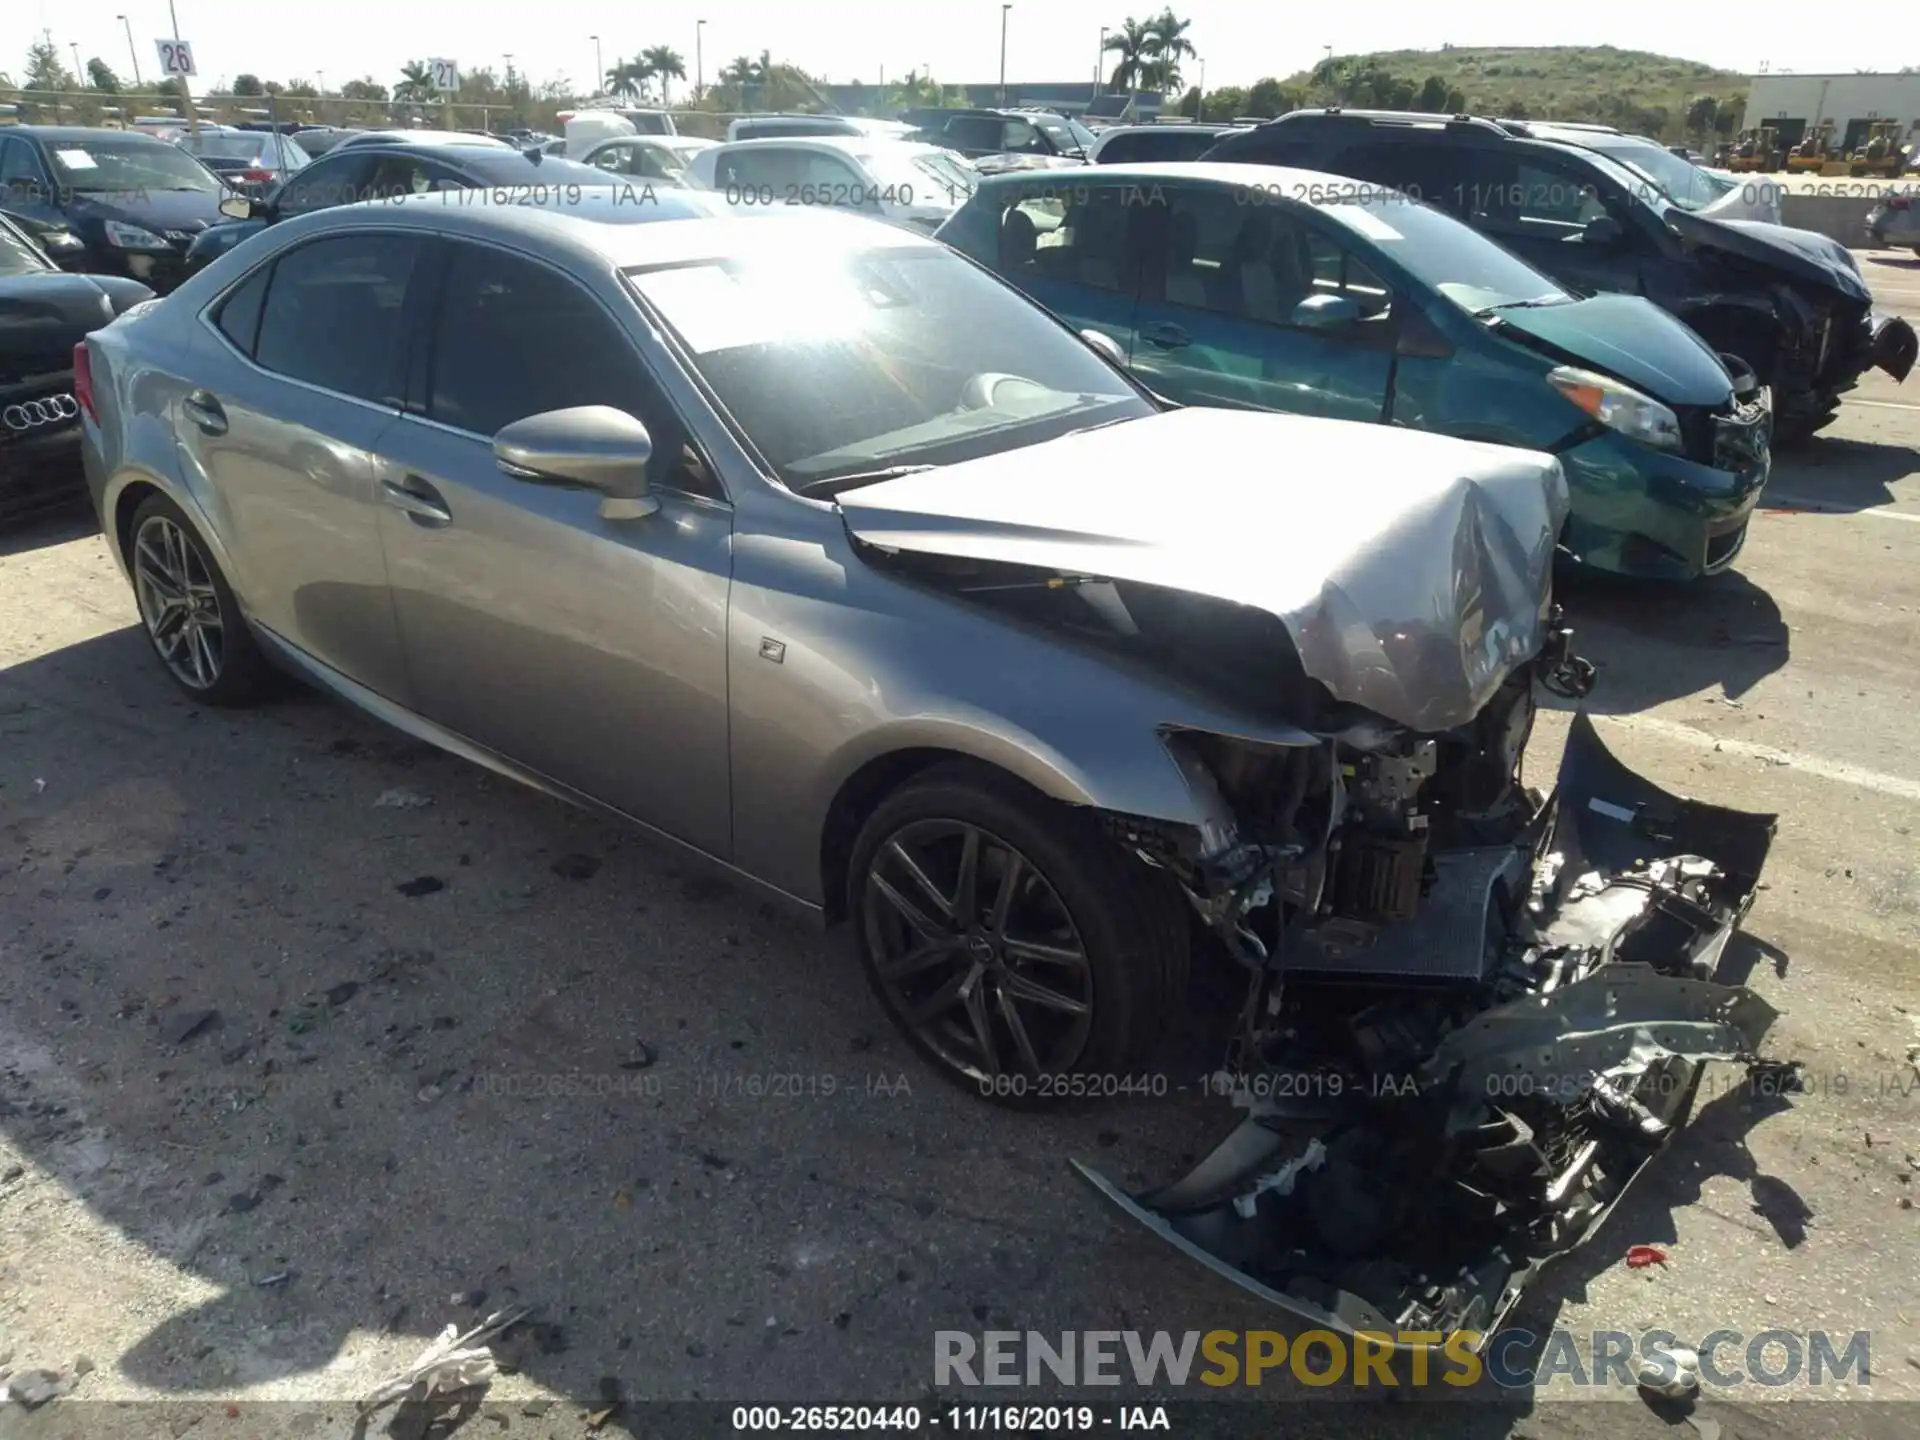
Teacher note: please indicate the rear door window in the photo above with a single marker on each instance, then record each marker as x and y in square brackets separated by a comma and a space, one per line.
[333, 311]
[337, 180]
[239, 314]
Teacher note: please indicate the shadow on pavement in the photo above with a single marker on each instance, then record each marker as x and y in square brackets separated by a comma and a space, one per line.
[56, 525]
[1837, 476]
[1656, 642]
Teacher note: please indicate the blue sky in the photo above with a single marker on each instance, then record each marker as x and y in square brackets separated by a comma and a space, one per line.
[1240, 40]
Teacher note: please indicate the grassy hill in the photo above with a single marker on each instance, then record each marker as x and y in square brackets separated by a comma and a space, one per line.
[1566, 82]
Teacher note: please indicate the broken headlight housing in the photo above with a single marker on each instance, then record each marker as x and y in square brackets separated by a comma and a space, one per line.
[1619, 406]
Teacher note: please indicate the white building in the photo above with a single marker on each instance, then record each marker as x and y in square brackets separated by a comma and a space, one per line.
[1794, 104]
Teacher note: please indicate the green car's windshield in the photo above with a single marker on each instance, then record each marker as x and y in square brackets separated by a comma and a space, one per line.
[113, 162]
[1455, 260]
[837, 361]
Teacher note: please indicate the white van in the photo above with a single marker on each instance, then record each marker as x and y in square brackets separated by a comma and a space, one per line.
[587, 128]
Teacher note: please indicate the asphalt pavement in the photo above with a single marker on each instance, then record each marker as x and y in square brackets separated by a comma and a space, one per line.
[268, 1122]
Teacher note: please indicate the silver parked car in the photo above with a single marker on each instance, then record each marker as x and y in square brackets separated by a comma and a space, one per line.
[810, 546]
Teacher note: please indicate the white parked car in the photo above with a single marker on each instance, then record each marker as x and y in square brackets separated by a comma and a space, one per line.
[902, 181]
[1716, 193]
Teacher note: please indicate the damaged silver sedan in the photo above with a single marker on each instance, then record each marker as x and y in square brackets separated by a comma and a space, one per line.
[811, 547]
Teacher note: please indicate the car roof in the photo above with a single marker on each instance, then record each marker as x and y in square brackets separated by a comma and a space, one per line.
[1286, 181]
[1170, 127]
[455, 138]
[846, 144]
[620, 225]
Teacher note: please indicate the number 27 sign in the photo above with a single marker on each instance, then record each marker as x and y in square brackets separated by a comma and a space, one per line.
[176, 57]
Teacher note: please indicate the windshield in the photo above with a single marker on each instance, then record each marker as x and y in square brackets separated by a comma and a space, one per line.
[837, 361]
[1678, 180]
[1069, 135]
[275, 150]
[114, 163]
[17, 255]
[1459, 262]
[917, 177]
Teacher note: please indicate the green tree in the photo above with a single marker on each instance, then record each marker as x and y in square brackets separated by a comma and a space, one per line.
[668, 65]
[1190, 103]
[1703, 114]
[101, 76]
[248, 84]
[416, 82]
[365, 88]
[1167, 46]
[1225, 103]
[628, 79]
[44, 70]
[1133, 43]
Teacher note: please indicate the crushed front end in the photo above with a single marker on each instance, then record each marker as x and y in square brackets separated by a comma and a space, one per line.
[1472, 1013]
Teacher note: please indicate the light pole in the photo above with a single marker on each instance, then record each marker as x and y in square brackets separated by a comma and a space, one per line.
[186, 90]
[599, 74]
[1100, 64]
[1003, 52]
[132, 54]
[699, 66]
[79, 71]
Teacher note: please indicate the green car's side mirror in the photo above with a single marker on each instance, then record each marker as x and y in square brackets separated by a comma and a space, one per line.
[1326, 312]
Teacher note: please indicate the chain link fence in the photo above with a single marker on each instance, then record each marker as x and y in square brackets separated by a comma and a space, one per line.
[125, 109]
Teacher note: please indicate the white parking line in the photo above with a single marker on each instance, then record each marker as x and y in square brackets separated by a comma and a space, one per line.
[1827, 507]
[1886, 404]
[1835, 770]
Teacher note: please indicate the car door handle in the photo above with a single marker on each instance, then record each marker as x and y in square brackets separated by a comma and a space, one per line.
[418, 500]
[1167, 337]
[205, 412]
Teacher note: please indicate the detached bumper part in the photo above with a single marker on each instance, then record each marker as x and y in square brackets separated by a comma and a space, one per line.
[1468, 1129]
[1894, 344]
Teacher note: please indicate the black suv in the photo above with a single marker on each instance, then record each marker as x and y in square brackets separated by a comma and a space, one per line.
[1791, 303]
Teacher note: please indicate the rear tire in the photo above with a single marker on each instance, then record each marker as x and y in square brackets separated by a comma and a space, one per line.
[188, 611]
[1055, 989]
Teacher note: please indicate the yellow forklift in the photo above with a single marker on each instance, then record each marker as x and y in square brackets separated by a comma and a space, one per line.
[1879, 152]
[1754, 151]
[1813, 151]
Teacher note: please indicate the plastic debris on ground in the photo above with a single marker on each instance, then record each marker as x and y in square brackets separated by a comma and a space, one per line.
[454, 1361]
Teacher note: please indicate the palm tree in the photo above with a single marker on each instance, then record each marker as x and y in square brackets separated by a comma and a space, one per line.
[1167, 46]
[1133, 43]
[628, 78]
[416, 81]
[667, 64]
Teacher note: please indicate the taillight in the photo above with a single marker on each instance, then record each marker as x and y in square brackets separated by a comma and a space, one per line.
[257, 175]
[83, 381]
[1898, 202]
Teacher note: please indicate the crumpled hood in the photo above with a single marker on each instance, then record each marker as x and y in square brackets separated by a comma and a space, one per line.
[1799, 254]
[1413, 571]
[1634, 339]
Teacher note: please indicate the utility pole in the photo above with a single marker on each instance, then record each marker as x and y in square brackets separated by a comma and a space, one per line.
[132, 53]
[699, 66]
[186, 90]
[1003, 52]
[599, 74]
[1100, 64]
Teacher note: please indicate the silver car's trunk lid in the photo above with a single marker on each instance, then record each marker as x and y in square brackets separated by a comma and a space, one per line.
[1411, 570]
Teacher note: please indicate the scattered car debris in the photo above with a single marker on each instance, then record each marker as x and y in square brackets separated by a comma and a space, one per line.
[1639, 1257]
[643, 1057]
[420, 885]
[273, 1281]
[454, 1361]
[187, 1024]
[343, 992]
[1668, 1371]
[35, 1387]
[402, 799]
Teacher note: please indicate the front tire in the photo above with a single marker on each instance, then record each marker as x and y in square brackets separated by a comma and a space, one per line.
[1013, 942]
[188, 611]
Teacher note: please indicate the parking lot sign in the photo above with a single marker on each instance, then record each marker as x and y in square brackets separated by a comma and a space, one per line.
[446, 74]
[176, 57]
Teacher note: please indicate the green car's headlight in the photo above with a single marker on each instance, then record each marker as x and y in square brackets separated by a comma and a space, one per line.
[1619, 406]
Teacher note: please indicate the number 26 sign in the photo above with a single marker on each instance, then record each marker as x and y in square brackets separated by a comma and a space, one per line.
[176, 57]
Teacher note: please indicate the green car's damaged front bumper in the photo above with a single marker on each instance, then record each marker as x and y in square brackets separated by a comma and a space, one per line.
[1416, 1159]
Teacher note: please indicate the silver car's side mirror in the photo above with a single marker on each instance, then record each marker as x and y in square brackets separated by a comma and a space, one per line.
[1106, 345]
[237, 207]
[593, 446]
